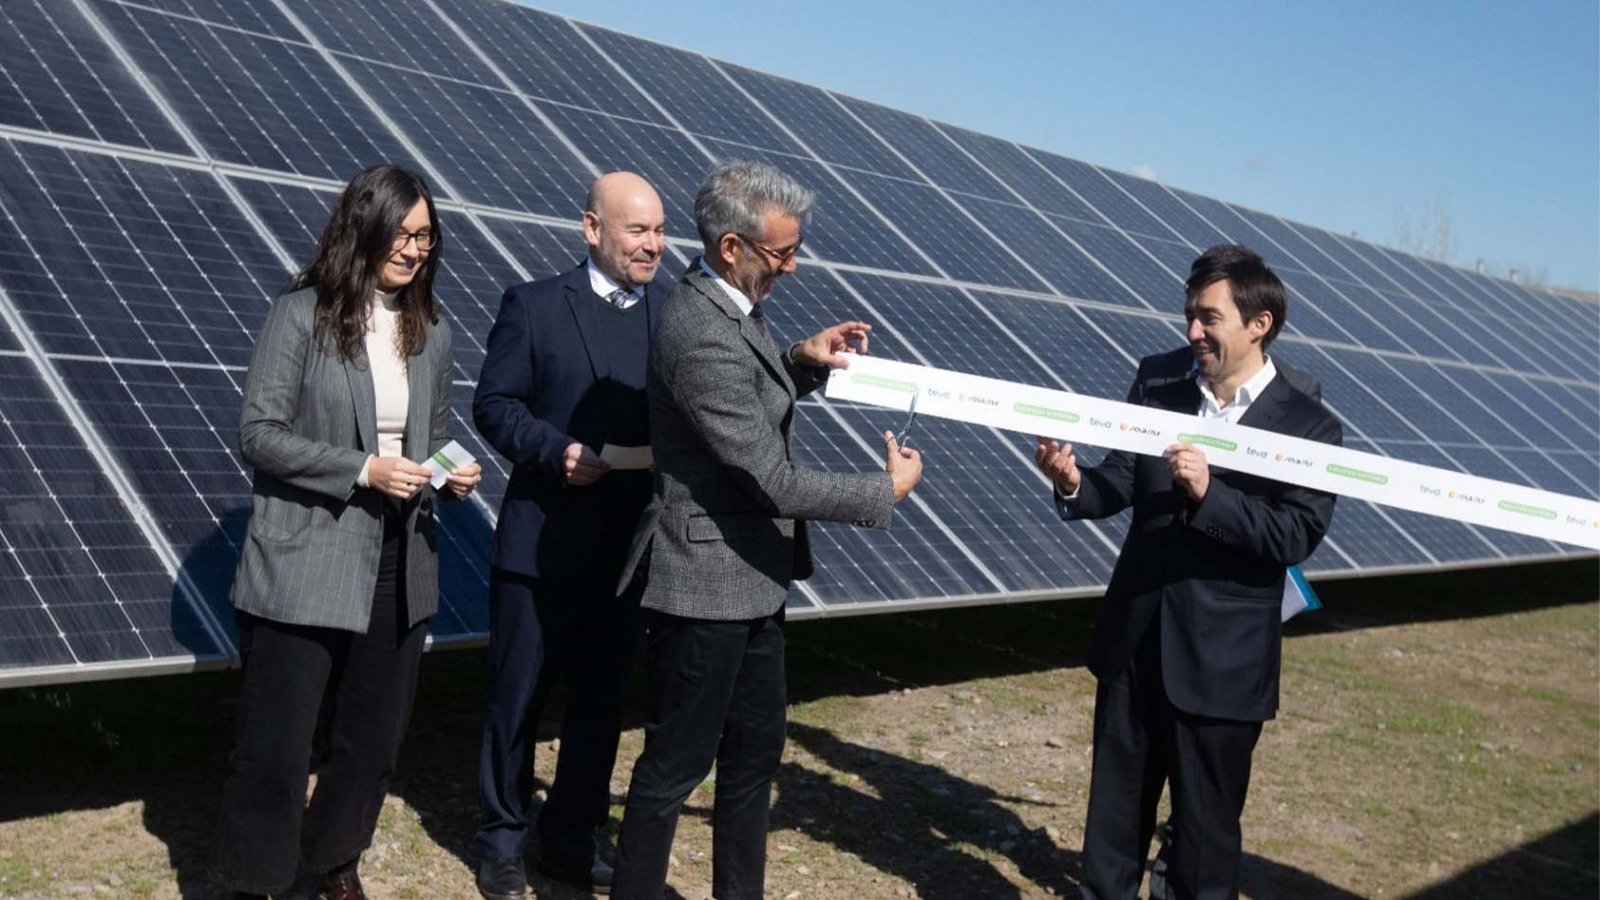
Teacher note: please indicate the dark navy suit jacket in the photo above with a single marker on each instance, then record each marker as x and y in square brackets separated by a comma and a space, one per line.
[538, 394]
[1211, 571]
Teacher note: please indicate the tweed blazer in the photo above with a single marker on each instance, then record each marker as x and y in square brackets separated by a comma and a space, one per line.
[726, 526]
[311, 551]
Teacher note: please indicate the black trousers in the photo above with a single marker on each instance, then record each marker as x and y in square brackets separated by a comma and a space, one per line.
[717, 694]
[541, 632]
[361, 686]
[1140, 742]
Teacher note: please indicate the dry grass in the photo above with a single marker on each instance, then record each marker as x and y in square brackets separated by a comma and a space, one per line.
[1438, 739]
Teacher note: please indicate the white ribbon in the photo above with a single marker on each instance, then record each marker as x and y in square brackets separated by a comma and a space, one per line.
[1142, 429]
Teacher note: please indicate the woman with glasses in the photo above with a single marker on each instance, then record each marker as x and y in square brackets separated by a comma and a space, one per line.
[348, 386]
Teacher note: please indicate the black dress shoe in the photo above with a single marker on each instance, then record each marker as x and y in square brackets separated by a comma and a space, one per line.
[595, 879]
[343, 884]
[502, 879]
[1159, 888]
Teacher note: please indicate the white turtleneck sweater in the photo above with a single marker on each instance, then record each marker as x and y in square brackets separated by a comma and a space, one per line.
[389, 386]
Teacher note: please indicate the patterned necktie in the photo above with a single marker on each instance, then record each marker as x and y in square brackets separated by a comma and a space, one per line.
[620, 298]
[759, 318]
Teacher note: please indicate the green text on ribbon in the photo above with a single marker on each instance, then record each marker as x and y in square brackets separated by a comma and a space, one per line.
[1357, 474]
[890, 383]
[1523, 508]
[1045, 412]
[1207, 440]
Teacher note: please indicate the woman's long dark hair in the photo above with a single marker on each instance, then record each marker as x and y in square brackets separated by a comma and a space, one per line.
[357, 240]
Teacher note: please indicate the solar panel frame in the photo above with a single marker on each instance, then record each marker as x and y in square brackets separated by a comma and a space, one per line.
[1024, 253]
[212, 91]
[88, 95]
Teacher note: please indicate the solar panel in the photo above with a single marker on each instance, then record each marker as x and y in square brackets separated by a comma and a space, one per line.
[165, 165]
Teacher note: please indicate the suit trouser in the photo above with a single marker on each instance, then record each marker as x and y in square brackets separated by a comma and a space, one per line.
[1141, 741]
[362, 685]
[717, 694]
[541, 632]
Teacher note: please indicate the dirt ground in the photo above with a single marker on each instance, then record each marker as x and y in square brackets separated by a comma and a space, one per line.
[1440, 737]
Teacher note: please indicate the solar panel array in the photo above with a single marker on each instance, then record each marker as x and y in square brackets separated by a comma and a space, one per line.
[165, 165]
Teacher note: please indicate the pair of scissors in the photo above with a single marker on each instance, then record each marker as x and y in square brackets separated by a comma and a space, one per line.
[905, 430]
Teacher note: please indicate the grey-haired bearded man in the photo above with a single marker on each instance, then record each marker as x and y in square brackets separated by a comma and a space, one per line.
[726, 531]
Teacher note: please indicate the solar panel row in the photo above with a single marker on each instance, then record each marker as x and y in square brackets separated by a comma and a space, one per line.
[165, 164]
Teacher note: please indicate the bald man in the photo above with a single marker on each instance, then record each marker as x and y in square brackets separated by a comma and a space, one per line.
[562, 397]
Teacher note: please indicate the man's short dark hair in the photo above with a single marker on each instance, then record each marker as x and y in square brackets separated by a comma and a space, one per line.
[1255, 288]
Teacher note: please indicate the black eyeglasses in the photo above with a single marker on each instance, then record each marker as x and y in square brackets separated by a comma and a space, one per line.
[424, 239]
[782, 256]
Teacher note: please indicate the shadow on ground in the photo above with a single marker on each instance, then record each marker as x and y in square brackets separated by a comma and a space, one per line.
[940, 832]
[1559, 865]
[874, 654]
[162, 742]
[159, 741]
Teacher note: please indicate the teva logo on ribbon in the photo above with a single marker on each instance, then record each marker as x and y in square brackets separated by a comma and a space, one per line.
[1119, 426]
[1045, 412]
[1357, 474]
[1525, 509]
[1284, 458]
[1206, 440]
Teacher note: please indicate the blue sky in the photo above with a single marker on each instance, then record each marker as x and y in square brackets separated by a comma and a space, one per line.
[1347, 115]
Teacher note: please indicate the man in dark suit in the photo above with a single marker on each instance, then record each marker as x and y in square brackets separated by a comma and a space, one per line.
[1176, 365]
[727, 532]
[1186, 646]
[562, 396]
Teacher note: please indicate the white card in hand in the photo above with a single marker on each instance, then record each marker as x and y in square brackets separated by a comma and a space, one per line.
[619, 457]
[450, 457]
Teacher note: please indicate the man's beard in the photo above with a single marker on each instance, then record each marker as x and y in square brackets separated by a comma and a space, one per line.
[755, 284]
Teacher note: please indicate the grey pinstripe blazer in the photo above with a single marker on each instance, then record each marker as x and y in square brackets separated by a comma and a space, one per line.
[726, 528]
[310, 555]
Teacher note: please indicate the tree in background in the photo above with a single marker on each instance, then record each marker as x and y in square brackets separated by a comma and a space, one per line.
[1432, 235]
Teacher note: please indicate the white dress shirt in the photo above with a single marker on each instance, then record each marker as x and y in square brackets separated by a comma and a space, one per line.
[1245, 395]
[739, 299]
[604, 284]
